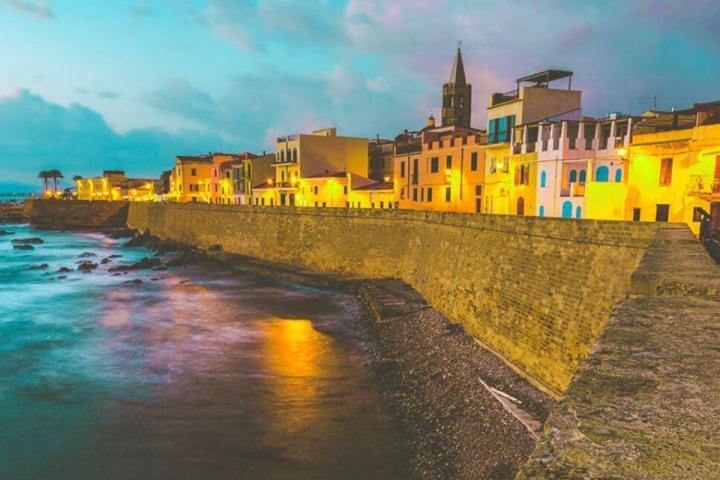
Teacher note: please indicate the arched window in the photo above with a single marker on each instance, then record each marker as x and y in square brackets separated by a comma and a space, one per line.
[578, 212]
[541, 211]
[618, 175]
[543, 180]
[583, 176]
[282, 156]
[521, 206]
[450, 101]
[567, 209]
[602, 174]
[573, 176]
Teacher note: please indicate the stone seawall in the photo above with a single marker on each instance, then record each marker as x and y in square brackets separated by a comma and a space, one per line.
[537, 291]
[76, 214]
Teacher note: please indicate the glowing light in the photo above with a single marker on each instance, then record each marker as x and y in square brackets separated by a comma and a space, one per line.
[622, 152]
[386, 178]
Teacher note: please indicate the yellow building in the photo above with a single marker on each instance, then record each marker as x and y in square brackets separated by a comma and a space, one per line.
[307, 162]
[191, 179]
[673, 174]
[376, 195]
[114, 185]
[440, 169]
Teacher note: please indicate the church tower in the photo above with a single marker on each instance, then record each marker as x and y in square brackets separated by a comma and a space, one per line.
[457, 96]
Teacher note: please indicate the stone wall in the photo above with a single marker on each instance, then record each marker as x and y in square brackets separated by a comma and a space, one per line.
[76, 213]
[537, 291]
[646, 403]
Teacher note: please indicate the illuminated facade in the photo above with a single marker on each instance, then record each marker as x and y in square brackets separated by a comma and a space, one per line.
[113, 186]
[191, 179]
[302, 159]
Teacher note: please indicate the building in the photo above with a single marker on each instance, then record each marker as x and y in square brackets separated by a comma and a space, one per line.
[376, 195]
[113, 185]
[220, 182]
[674, 168]
[191, 179]
[317, 157]
[380, 158]
[243, 172]
[511, 174]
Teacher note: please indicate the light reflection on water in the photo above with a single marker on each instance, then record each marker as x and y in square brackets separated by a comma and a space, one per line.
[196, 373]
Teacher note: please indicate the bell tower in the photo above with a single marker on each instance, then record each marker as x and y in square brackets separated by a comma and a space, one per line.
[457, 96]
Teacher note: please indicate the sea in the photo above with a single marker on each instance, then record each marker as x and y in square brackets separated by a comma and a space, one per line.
[194, 372]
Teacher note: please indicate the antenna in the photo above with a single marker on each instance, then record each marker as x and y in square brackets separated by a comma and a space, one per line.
[459, 44]
[651, 100]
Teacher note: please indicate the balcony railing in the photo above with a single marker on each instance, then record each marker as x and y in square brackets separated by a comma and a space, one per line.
[702, 185]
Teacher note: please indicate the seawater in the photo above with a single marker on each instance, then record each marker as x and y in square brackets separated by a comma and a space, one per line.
[197, 373]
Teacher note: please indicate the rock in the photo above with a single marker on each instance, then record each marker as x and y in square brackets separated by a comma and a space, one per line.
[138, 240]
[114, 255]
[87, 255]
[117, 234]
[87, 266]
[137, 281]
[215, 248]
[23, 246]
[64, 270]
[41, 266]
[145, 263]
[186, 258]
[27, 241]
[116, 274]
[105, 261]
[6, 232]
[62, 277]
[160, 268]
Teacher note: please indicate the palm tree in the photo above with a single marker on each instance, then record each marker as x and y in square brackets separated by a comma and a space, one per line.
[55, 175]
[44, 175]
[77, 177]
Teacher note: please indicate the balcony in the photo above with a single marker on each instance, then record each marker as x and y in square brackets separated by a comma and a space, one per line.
[703, 185]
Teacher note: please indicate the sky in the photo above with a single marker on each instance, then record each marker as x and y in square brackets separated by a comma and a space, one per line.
[87, 85]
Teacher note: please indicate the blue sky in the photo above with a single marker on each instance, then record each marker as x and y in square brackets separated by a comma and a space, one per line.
[88, 85]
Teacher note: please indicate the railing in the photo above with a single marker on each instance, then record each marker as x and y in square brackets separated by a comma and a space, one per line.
[404, 149]
[702, 185]
[573, 190]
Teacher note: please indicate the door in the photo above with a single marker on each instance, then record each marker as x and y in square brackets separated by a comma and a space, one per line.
[478, 205]
[662, 214]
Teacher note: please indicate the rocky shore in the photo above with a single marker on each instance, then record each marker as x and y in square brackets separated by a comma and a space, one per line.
[463, 412]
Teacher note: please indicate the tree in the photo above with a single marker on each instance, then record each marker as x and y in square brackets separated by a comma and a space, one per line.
[44, 175]
[55, 176]
[77, 177]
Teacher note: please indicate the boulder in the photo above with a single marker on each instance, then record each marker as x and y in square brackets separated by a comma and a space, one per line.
[87, 266]
[145, 263]
[28, 241]
[23, 246]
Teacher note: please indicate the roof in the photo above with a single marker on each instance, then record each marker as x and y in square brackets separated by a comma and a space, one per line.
[546, 76]
[195, 158]
[457, 74]
[263, 185]
[376, 186]
[327, 175]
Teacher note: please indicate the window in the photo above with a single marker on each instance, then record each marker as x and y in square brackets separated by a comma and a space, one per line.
[382, 204]
[447, 194]
[434, 164]
[345, 190]
[422, 194]
[402, 169]
[662, 213]
[282, 155]
[578, 212]
[636, 214]
[493, 165]
[414, 194]
[478, 190]
[461, 101]
[415, 172]
[601, 174]
[666, 172]
[543, 180]
[521, 206]
[294, 154]
[315, 189]
[573, 176]
[263, 201]
[282, 175]
[448, 161]
[583, 176]
[473, 160]
[193, 172]
[429, 194]
[492, 130]
[618, 175]
[541, 211]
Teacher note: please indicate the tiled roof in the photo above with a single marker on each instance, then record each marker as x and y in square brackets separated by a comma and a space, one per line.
[376, 186]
